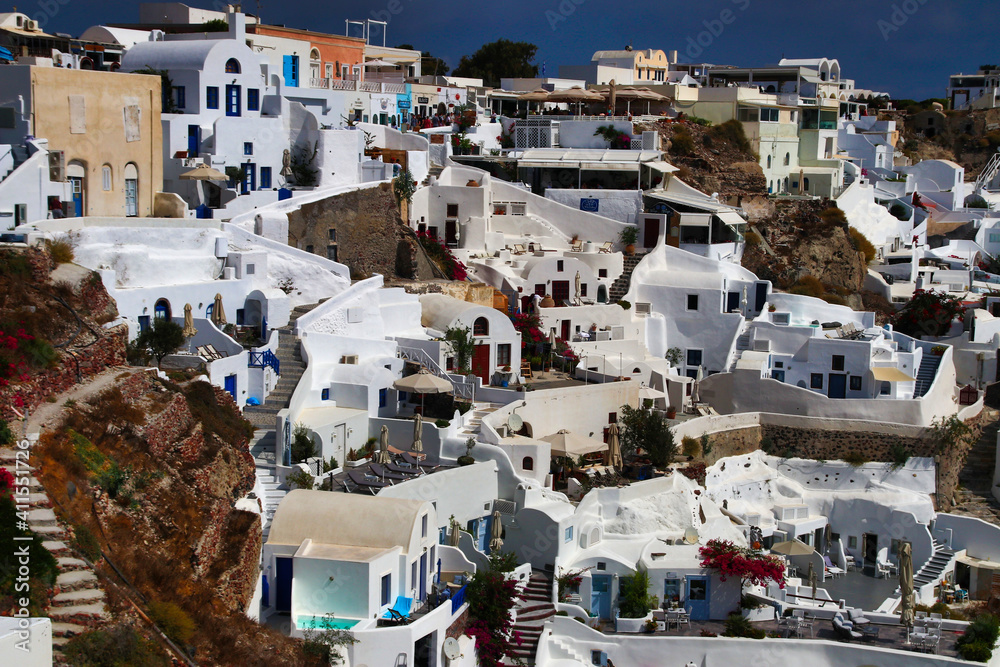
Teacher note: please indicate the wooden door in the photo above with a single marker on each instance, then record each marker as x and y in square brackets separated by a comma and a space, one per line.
[481, 363]
[651, 232]
[566, 330]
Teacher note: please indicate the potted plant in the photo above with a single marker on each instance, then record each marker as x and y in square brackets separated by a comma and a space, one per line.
[938, 350]
[467, 459]
[671, 412]
[628, 236]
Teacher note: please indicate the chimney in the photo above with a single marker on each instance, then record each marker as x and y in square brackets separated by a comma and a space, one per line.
[672, 57]
[237, 24]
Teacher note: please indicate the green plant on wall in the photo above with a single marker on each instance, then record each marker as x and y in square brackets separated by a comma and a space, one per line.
[303, 172]
[403, 186]
[463, 346]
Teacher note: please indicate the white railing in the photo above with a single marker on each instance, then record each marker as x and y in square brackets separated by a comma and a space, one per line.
[398, 88]
[343, 84]
[370, 87]
[319, 83]
[417, 355]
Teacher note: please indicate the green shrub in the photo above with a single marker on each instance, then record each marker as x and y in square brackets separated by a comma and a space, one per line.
[300, 479]
[442, 423]
[900, 455]
[85, 542]
[635, 600]
[60, 249]
[979, 639]
[732, 132]
[303, 446]
[173, 620]
[7, 436]
[752, 238]
[855, 459]
[690, 446]
[682, 143]
[624, 304]
[862, 244]
[737, 626]
[114, 647]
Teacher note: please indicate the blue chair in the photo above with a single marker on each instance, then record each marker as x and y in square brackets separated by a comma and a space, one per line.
[399, 613]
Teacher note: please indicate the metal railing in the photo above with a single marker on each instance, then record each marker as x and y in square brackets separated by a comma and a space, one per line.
[264, 359]
[458, 599]
[462, 389]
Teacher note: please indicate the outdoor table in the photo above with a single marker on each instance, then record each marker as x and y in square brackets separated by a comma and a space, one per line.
[869, 631]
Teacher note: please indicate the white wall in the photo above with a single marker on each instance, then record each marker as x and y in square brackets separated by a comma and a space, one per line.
[620, 205]
[28, 646]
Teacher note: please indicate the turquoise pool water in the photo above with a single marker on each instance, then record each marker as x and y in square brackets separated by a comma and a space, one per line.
[323, 623]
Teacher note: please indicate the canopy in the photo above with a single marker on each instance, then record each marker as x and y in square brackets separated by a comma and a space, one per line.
[792, 548]
[204, 173]
[537, 95]
[379, 63]
[648, 393]
[647, 94]
[575, 94]
[565, 443]
[423, 382]
[890, 374]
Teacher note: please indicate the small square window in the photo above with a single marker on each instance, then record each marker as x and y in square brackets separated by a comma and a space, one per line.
[309, 248]
[838, 362]
[852, 542]
[583, 289]
[569, 534]
[856, 383]
[816, 380]
[601, 565]
[602, 273]
[251, 269]
[333, 236]
[248, 148]
[559, 266]
[779, 364]
[452, 210]
[325, 395]
[692, 302]
[694, 357]
[886, 389]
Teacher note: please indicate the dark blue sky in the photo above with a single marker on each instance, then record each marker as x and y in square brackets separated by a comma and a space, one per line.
[905, 47]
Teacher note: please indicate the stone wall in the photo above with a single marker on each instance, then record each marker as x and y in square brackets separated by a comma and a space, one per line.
[369, 234]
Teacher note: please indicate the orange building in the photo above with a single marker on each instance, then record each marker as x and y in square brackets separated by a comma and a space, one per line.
[309, 59]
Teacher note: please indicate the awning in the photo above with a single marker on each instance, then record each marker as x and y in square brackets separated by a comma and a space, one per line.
[696, 219]
[730, 217]
[891, 374]
[6, 54]
[609, 166]
[661, 166]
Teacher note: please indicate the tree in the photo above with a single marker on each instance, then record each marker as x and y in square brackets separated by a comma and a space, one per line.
[303, 446]
[649, 431]
[635, 600]
[403, 186]
[928, 314]
[463, 345]
[491, 596]
[500, 59]
[429, 65]
[161, 339]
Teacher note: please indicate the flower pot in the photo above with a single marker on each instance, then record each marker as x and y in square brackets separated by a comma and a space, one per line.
[671, 413]
[630, 249]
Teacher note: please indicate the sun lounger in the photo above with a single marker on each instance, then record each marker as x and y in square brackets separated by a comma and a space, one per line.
[412, 471]
[362, 481]
[216, 354]
[519, 249]
[411, 460]
[576, 246]
[384, 474]
[606, 248]
[400, 611]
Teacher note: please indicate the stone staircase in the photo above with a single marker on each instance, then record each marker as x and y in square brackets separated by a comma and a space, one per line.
[933, 569]
[621, 286]
[533, 610]
[274, 492]
[926, 373]
[974, 496]
[434, 171]
[77, 600]
[475, 423]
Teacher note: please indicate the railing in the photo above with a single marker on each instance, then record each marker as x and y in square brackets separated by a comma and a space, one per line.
[319, 83]
[398, 88]
[370, 87]
[458, 599]
[417, 355]
[988, 173]
[264, 359]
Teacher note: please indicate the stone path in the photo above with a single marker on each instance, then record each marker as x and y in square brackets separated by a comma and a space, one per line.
[48, 415]
[974, 497]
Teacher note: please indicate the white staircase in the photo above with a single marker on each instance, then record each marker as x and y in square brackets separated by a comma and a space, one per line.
[561, 650]
[474, 424]
[273, 495]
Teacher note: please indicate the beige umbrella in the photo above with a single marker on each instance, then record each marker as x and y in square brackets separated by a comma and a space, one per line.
[204, 173]
[218, 313]
[612, 97]
[614, 447]
[811, 578]
[537, 95]
[418, 427]
[565, 443]
[496, 532]
[649, 394]
[577, 288]
[696, 389]
[383, 457]
[423, 382]
[189, 330]
[907, 602]
[576, 95]
[627, 94]
[792, 548]
[454, 534]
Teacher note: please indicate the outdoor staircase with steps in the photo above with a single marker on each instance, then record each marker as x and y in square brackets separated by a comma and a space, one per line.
[533, 610]
[20, 156]
[77, 602]
[974, 496]
[933, 570]
[435, 171]
[926, 373]
[562, 650]
[274, 492]
[743, 344]
[621, 286]
[475, 423]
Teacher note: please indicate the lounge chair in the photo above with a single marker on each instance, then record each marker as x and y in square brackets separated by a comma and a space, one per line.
[830, 569]
[844, 629]
[576, 246]
[606, 248]
[385, 474]
[519, 249]
[399, 613]
[216, 353]
[362, 481]
[411, 460]
[857, 617]
[410, 471]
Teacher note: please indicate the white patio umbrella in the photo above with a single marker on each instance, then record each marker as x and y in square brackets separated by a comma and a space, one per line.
[423, 382]
[189, 330]
[578, 289]
[907, 601]
[418, 427]
[649, 394]
[218, 313]
[383, 457]
[454, 534]
[496, 532]
[566, 443]
[379, 63]
[614, 447]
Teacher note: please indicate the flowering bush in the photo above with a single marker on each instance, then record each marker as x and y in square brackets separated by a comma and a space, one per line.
[6, 482]
[750, 566]
[441, 253]
[528, 325]
[929, 314]
[19, 352]
[506, 138]
[569, 580]
[491, 598]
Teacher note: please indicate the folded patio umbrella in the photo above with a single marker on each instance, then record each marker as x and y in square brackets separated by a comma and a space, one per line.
[189, 330]
[417, 446]
[454, 534]
[614, 447]
[907, 602]
[496, 531]
[383, 450]
[218, 313]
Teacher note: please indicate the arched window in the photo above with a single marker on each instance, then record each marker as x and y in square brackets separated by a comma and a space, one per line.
[527, 463]
[768, 161]
[788, 159]
[161, 310]
[86, 63]
[314, 54]
[106, 180]
[481, 327]
[233, 66]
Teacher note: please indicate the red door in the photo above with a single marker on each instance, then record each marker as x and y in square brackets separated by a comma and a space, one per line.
[565, 330]
[481, 362]
[560, 292]
[651, 234]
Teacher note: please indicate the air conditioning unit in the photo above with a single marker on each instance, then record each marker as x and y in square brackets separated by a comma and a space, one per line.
[351, 359]
[617, 333]
[31, 26]
[57, 166]
[643, 309]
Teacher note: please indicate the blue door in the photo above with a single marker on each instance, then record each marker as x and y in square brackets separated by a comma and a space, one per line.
[283, 579]
[231, 385]
[234, 103]
[423, 576]
[143, 323]
[697, 602]
[291, 71]
[837, 386]
[600, 596]
[249, 178]
[194, 140]
[77, 185]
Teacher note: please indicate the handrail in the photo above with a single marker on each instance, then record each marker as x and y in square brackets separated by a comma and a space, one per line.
[458, 599]
[264, 359]
[417, 355]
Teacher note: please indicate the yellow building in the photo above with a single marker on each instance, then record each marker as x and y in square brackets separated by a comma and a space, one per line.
[103, 130]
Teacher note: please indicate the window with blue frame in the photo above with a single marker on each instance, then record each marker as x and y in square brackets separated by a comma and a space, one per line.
[212, 97]
[233, 66]
[248, 148]
[325, 395]
[569, 534]
[253, 99]
[180, 97]
[383, 396]
[265, 178]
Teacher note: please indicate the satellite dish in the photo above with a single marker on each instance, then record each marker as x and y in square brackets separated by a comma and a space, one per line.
[691, 535]
[515, 423]
[452, 650]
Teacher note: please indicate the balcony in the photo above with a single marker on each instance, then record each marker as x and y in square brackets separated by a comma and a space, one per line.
[319, 83]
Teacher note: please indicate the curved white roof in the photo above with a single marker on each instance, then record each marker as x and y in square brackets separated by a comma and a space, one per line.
[108, 35]
[439, 311]
[344, 519]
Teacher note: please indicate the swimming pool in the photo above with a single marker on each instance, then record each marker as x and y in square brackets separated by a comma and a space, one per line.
[325, 623]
